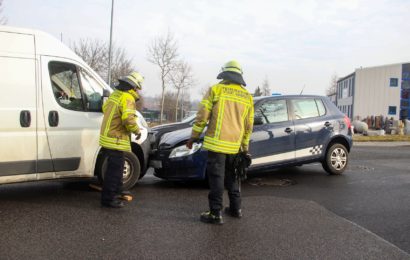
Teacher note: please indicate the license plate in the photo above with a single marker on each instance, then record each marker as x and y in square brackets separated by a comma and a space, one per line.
[155, 164]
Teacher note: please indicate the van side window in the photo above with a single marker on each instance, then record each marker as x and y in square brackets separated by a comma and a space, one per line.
[93, 91]
[272, 111]
[66, 86]
[304, 108]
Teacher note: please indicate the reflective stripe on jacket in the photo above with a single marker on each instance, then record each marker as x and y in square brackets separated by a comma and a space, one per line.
[229, 109]
[119, 120]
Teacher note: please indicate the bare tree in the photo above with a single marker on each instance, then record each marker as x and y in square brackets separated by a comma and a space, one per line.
[3, 19]
[257, 92]
[266, 91]
[95, 54]
[163, 52]
[331, 90]
[181, 78]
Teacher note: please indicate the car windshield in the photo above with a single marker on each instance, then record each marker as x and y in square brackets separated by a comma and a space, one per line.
[188, 118]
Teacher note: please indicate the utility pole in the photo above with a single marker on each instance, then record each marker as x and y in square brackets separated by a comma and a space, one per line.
[109, 49]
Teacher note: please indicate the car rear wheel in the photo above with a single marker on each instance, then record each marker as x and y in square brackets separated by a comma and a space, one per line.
[131, 173]
[336, 159]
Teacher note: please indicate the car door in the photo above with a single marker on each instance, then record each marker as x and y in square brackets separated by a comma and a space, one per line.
[273, 138]
[312, 127]
[72, 109]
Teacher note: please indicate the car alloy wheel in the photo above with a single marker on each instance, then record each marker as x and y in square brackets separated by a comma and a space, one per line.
[336, 159]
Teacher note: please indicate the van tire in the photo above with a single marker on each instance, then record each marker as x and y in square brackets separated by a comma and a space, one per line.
[132, 169]
[336, 159]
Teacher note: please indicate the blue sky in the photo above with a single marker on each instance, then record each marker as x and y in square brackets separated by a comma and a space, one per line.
[291, 43]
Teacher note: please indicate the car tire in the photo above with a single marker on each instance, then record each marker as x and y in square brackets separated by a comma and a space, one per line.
[132, 169]
[336, 159]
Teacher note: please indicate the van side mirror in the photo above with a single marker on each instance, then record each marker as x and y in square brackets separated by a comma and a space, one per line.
[106, 93]
[258, 120]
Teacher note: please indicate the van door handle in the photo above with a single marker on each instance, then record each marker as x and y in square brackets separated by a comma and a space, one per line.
[288, 130]
[53, 118]
[327, 124]
[25, 118]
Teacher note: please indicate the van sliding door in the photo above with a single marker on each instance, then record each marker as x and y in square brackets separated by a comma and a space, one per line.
[18, 111]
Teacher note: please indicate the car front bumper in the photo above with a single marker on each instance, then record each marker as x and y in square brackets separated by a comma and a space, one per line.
[191, 167]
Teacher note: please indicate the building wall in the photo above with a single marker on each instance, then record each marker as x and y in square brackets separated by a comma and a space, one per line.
[344, 93]
[373, 94]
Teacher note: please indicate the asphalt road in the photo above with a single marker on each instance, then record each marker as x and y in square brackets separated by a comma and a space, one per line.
[293, 213]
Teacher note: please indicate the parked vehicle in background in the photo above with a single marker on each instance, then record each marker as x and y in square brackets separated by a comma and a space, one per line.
[51, 113]
[288, 130]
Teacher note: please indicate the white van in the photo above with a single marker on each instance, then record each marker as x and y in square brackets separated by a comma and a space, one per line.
[50, 113]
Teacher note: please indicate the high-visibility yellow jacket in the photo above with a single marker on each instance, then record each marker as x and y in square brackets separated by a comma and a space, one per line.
[119, 120]
[227, 109]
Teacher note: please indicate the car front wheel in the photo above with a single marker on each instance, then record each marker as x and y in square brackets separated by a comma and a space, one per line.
[131, 173]
[336, 159]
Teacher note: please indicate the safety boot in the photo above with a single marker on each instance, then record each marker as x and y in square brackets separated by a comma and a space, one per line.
[125, 195]
[212, 217]
[236, 213]
[112, 204]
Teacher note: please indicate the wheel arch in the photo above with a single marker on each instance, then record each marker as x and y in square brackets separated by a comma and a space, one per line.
[337, 140]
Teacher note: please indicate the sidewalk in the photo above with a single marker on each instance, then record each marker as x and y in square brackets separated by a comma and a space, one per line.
[382, 144]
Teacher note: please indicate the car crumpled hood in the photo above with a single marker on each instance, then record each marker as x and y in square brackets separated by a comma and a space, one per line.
[171, 125]
[171, 139]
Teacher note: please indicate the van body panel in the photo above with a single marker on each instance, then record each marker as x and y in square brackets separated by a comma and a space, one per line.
[17, 45]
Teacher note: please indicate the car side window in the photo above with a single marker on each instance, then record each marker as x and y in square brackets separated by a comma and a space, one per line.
[305, 108]
[271, 111]
[320, 107]
[66, 86]
[92, 89]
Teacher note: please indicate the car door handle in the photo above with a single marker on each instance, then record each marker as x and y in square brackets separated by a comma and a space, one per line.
[53, 118]
[25, 118]
[327, 124]
[288, 130]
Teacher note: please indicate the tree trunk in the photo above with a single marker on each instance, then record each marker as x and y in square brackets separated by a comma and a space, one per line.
[162, 101]
[176, 106]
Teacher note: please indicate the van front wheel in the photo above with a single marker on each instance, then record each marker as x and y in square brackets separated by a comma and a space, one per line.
[131, 173]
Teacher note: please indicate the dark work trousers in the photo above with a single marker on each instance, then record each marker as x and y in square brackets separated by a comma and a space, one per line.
[219, 174]
[112, 185]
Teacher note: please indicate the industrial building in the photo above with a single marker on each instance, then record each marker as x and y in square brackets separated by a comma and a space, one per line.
[374, 91]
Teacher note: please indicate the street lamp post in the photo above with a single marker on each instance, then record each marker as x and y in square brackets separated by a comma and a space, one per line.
[109, 49]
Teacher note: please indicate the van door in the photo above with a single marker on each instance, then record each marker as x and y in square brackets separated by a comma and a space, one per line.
[273, 137]
[72, 108]
[18, 111]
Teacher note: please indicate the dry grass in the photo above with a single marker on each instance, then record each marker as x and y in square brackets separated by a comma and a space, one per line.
[385, 138]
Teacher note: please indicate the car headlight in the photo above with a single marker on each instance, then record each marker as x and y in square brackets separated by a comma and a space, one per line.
[182, 150]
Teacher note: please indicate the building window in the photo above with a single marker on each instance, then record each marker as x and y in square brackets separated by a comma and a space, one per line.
[394, 82]
[392, 110]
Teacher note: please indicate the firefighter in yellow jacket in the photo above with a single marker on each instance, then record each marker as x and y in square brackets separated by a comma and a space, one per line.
[227, 111]
[119, 122]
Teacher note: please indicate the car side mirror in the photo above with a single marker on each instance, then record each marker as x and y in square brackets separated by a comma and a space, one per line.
[258, 120]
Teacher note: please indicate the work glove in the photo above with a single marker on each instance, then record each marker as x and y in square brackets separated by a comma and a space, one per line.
[191, 142]
[248, 158]
[137, 136]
